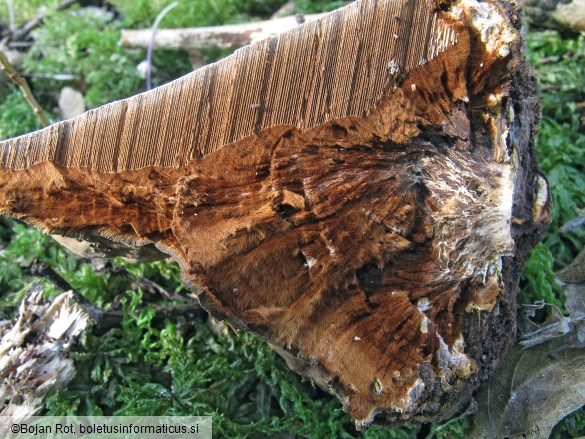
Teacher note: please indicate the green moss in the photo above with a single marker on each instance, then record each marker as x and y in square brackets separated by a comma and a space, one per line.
[560, 70]
[540, 279]
[573, 426]
[315, 6]
[142, 13]
[83, 45]
[22, 247]
[16, 115]
[27, 10]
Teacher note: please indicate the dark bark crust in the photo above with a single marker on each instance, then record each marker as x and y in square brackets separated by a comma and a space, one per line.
[382, 250]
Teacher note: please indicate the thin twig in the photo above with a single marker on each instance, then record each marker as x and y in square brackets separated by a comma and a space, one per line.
[157, 21]
[26, 28]
[152, 287]
[15, 77]
[573, 224]
[110, 318]
[42, 269]
[287, 9]
[11, 22]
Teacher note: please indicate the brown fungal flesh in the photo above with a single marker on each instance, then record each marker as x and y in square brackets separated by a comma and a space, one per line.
[345, 190]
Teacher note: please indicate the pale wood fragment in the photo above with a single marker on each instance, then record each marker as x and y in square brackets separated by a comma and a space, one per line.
[35, 352]
[214, 37]
[71, 103]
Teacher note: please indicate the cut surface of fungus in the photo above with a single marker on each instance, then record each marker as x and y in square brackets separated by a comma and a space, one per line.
[346, 190]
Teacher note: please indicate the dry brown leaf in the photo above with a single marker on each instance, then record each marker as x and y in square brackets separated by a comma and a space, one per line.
[534, 390]
[575, 272]
[537, 387]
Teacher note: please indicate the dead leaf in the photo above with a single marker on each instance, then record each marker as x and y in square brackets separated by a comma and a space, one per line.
[533, 391]
[574, 273]
[532, 332]
[539, 386]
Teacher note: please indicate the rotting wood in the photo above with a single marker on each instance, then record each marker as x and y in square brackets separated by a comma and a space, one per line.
[360, 191]
[34, 352]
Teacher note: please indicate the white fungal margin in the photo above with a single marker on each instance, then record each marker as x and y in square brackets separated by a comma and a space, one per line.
[493, 28]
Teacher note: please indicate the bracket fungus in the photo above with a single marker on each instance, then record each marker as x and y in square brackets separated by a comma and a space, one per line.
[360, 191]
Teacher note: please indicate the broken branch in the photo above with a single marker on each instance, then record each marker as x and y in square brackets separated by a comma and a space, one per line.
[223, 37]
[19, 34]
[35, 351]
[15, 77]
[43, 269]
